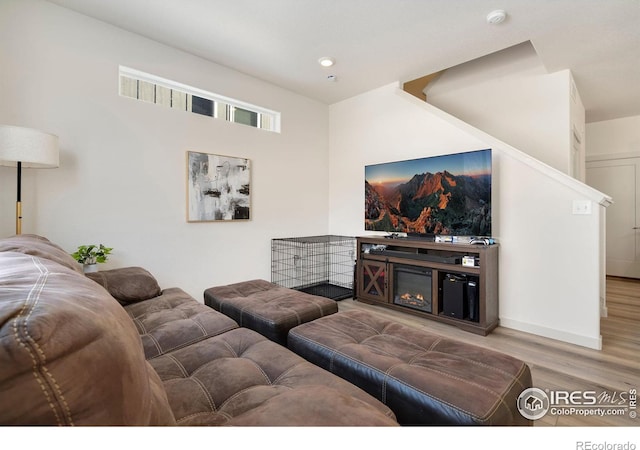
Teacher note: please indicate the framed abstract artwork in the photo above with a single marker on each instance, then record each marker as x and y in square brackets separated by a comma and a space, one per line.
[218, 187]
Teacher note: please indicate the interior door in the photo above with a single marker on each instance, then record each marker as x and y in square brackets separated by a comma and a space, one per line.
[618, 178]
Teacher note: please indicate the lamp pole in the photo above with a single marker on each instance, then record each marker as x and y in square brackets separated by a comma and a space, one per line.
[19, 200]
[25, 147]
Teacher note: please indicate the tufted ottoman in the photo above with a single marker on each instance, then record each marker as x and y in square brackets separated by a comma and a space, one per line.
[240, 378]
[425, 379]
[267, 308]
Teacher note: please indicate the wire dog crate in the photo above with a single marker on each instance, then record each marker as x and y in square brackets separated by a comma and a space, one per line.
[318, 265]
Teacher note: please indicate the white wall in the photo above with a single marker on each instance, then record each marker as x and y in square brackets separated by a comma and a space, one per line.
[549, 258]
[617, 137]
[510, 95]
[121, 179]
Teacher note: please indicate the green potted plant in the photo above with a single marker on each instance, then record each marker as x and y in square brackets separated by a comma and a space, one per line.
[90, 255]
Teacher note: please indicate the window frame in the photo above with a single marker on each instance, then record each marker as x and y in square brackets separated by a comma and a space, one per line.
[223, 107]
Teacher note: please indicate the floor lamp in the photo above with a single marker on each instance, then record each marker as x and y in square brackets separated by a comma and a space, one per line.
[25, 147]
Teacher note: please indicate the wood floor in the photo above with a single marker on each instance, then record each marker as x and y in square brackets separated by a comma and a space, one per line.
[560, 366]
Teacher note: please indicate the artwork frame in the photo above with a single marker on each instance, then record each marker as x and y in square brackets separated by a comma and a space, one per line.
[218, 187]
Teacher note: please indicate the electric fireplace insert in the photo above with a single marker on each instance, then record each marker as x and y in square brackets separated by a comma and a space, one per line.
[412, 287]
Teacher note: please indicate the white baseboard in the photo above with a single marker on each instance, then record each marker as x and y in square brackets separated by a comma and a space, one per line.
[594, 342]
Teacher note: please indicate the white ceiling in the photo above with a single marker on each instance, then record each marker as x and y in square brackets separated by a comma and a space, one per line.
[376, 42]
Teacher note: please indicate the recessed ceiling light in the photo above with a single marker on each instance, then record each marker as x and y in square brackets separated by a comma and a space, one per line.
[496, 17]
[326, 61]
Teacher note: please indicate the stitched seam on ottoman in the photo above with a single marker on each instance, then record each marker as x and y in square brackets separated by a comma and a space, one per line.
[484, 388]
[221, 304]
[221, 308]
[190, 318]
[502, 400]
[430, 349]
[436, 342]
[387, 375]
[515, 380]
[318, 306]
[198, 383]
[269, 321]
[235, 354]
[248, 359]
[186, 343]
[334, 352]
[190, 416]
[199, 325]
[520, 373]
[184, 316]
[244, 311]
[471, 361]
[242, 391]
[490, 411]
[378, 333]
[37, 290]
[279, 377]
[304, 338]
[231, 349]
[475, 362]
[363, 342]
[337, 330]
[181, 367]
[139, 322]
[264, 374]
[365, 324]
[155, 343]
[375, 369]
[177, 310]
[212, 404]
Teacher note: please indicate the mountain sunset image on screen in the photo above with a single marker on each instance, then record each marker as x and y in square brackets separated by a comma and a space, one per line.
[439, 195]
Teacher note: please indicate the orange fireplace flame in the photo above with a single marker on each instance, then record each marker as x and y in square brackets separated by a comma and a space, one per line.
[408, 296]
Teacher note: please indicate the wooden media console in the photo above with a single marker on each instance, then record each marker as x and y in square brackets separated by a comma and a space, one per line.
[428, 279]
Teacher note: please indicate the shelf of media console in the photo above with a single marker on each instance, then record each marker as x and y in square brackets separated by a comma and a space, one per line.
[417, 261]
[444, 256]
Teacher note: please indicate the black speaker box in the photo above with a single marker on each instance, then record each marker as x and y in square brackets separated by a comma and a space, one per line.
[473, 306]
[454, 296]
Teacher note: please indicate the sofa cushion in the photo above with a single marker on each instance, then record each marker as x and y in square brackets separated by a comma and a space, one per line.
[242, 378]
[127, 284]
[69, 354]
[31, 244]
[173, 320]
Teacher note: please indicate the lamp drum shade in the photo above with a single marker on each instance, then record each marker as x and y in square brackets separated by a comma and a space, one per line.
[31, 147]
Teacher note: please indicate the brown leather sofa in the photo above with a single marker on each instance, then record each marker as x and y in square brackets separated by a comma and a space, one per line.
[118, 350]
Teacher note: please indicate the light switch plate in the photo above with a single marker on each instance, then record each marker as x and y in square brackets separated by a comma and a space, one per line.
[581, 207]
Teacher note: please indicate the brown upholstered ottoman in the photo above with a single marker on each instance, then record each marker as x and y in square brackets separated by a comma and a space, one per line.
[241, 378]
[267, 308]
[424, 378]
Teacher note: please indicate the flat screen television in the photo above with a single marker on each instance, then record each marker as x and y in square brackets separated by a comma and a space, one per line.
[440, 195]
